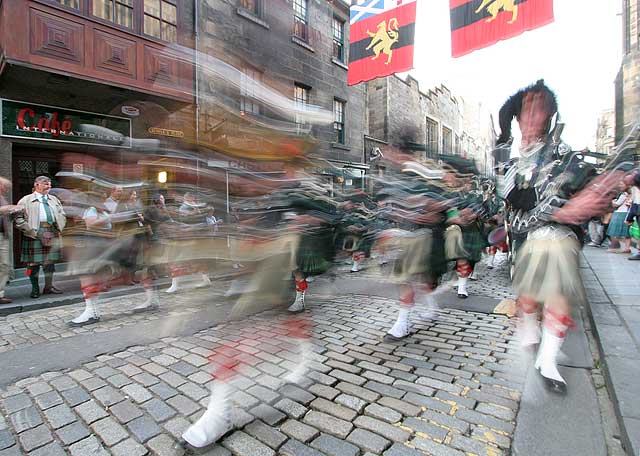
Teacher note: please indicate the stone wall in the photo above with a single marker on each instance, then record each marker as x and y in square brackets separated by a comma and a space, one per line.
[266, 45]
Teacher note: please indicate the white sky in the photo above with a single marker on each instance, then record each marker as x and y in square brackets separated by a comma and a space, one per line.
[578, 56]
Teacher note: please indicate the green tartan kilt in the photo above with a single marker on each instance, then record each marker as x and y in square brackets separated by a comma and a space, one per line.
[316, 253]
[474, 242]
[34, 252]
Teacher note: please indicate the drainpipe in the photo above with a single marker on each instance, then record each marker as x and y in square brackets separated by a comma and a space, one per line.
[196, 33]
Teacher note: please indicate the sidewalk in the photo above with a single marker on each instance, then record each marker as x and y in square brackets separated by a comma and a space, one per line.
[613, 292]
[19, 290]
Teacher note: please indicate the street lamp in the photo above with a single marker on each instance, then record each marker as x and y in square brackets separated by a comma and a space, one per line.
[162, 177]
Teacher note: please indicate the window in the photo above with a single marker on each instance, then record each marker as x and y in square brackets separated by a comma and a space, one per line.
[248, 88]
[253, 6]
[160, 19]
[432, 137]
[300, 19]
[75, 4]
[626, 12]
[458, 146]
[301, 98]
[338, 120]
[446, 141]
[338, 39]
[117, 11]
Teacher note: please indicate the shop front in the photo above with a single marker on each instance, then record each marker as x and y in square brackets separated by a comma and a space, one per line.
[45, 140]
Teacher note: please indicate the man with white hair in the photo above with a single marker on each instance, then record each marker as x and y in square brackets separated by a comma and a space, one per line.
[41, 224]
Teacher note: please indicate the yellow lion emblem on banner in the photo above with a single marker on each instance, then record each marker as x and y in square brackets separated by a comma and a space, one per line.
[497, 5]
[384, 38]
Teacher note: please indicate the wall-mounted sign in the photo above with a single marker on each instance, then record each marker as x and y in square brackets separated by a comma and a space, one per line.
[47, 123]
[130, 111]
[166, 132]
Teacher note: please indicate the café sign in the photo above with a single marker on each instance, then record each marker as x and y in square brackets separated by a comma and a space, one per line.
[47, 123]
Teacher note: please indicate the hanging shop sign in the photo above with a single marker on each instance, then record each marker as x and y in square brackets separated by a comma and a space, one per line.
[47, 123]
[165, 132]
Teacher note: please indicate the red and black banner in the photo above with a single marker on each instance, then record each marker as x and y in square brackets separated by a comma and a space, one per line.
[382, 44]
[476, 24]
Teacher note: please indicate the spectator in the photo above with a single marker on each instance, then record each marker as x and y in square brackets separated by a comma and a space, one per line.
[634, 210]
[114, 198]
[5, 229]
[618, 231]
[41, 225]
[212, 220]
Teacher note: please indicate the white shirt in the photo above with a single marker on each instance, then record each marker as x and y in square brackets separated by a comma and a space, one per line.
[619, 203]
[635, 195]
[93, 213]
[111, 205]
[41, 211]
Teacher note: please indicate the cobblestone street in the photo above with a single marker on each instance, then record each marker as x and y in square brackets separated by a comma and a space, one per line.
[452, 388]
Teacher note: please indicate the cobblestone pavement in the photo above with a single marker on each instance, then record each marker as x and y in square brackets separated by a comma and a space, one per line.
[492, 283]
[24, 329]
[452, 388]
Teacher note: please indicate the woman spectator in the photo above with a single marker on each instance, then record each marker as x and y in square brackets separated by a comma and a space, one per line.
[618, 231]
[634, 212]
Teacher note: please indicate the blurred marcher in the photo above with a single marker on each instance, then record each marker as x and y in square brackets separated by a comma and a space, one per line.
[94, 256]
[155, 221]
[192, 215]
[547, 264]
[6, 212]
[41, 225]
[618, 231]
[128, 226]
[463, 238]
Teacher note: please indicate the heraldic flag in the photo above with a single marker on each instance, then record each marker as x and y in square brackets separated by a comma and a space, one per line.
[381, 40]
[476, 24]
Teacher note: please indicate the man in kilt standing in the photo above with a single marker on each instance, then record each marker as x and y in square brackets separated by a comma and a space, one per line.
[41, 225]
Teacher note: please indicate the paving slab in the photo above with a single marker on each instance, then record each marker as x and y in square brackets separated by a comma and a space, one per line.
[616, 323]
[576, 346]
[550, 424]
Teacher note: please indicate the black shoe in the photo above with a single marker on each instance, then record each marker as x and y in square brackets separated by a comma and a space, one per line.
[35, 294]
[52, 290]
[634, 257]
[554, 386]
[90, 321]
[462, 296]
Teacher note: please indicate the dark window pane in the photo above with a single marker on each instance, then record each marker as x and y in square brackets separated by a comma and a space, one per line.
[300, 29]
[250, 5]
[338, 51]
[169, 33]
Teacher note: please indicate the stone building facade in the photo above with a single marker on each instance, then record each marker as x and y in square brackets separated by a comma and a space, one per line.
[432, 122]
[605, 133]
[77, 70]
[298, 49]
[627, 83]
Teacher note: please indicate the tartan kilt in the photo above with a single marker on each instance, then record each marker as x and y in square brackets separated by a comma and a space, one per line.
[474, 242]
[34, 252]
[316, 252]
